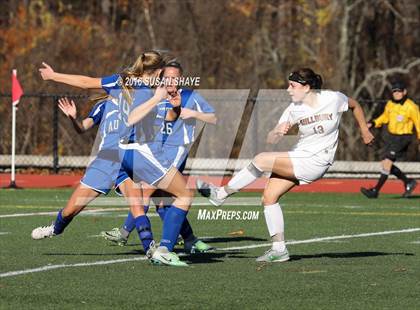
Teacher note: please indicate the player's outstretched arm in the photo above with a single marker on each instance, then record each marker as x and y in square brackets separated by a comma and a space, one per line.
[81, 81]
[142, 110]
[279, 131]
[359, 115]
[204, 117]
[69, 109]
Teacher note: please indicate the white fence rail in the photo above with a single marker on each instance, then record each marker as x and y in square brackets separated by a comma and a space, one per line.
[217, 166]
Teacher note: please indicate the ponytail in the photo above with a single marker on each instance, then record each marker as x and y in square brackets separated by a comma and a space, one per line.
[94, 99]
[317, 82]
[307, 76]
[147, 63]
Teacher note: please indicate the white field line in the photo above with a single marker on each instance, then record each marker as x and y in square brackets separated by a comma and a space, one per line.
[4, 233]
[55, 212]
[116, 261]
[381, 233]
[50, 267]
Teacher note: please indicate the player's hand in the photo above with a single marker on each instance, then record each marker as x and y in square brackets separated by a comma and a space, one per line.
[273, 137]
[283, 128]
[68, 107]
[187, 113]
[46, 72]
[367, 137]
[161, 93]
[175, 99]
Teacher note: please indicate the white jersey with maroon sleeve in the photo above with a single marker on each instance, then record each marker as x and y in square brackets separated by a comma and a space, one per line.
[318, 126]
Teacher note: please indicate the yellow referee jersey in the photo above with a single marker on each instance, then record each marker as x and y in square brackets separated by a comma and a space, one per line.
[400, 118]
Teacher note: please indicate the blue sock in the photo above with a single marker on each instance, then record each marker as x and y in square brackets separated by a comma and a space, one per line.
[129, 223]
[172, 223]
[186, 231]
[162, 212]
[146, 209]
[144, 229]
[61, 223]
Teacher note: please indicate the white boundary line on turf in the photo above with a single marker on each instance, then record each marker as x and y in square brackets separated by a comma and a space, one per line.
[55, 212]
[4, 233]
[115, 261]
[381, 233]
[50, 267]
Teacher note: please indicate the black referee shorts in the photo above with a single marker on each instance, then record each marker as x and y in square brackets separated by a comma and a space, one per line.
[396, 146]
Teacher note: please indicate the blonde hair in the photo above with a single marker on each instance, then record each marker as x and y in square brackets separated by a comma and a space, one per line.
[94, 99]
[146, 63]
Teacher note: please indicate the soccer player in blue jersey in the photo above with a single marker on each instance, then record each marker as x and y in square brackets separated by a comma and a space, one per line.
[98, 117]
[142, 159]
[176, 135]
[103, 170]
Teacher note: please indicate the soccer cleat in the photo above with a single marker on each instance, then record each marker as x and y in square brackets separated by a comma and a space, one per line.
[161, 256]
[43, 232]
[180, 241]
[211, 192]
[197, 246]
[369, 193]
[151, 250]
[409, 188]
[115, 236]
[272, 256]
[203, 188]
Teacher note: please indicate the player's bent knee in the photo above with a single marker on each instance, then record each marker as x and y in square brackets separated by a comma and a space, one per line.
[392, 156]
[269, 199]
[186, 197]
[259, 161]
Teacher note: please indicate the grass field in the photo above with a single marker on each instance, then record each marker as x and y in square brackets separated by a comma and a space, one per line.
[79, 270]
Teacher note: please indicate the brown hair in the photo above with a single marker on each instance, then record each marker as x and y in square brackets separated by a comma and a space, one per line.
[306, 76]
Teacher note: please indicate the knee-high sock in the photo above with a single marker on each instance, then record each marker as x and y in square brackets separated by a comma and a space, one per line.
[275, 224]
[130, 223]
[243, 178]
[61, 222]
[144, 229]
[174, 218]
[399, 174]
[187, 231]
[162, 212]
[382, 180]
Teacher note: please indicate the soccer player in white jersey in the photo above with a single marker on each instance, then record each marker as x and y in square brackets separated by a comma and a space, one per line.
[317, 114]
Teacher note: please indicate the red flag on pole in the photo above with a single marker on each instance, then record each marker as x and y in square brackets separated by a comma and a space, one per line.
[17, 91]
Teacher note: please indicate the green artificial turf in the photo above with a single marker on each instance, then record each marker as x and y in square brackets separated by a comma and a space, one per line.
[366, 272]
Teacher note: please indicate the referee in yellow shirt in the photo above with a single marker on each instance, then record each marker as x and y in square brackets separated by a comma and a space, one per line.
[401, 115]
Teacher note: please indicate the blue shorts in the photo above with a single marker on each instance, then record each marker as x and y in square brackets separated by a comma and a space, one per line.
[177, 155]
[144, 162]
[101, 174]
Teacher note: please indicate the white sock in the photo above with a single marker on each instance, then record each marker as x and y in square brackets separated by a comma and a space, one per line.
[279, 246]
[222, 193]
[275, 225]
[244, 177]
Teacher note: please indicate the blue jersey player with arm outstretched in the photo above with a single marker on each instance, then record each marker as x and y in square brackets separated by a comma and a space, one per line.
[177, 120]
[141, 159]
[103, 170]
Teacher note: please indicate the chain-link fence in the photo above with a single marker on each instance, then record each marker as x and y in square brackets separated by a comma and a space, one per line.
[46, 138]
